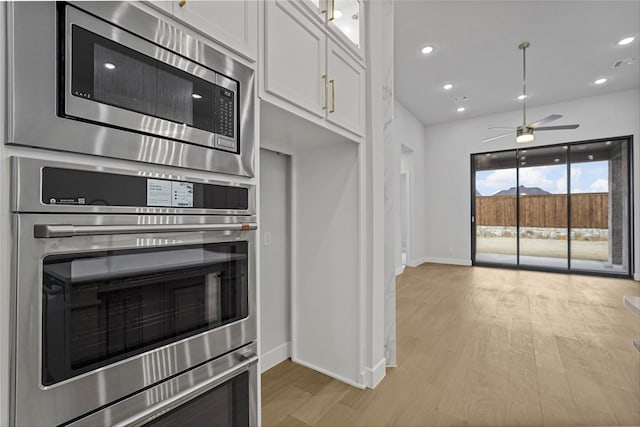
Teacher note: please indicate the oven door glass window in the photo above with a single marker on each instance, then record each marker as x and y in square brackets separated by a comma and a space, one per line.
[102, 307]
[111, 73]
[224, 406]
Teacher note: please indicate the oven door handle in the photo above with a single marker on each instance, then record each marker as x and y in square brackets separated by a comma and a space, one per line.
[49, 231]
[173, 402]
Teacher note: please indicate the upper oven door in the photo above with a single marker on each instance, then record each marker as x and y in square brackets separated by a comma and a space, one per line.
[107, 305]
[115, 78]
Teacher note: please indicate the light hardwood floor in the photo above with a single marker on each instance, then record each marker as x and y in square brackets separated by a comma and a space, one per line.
[485, 347]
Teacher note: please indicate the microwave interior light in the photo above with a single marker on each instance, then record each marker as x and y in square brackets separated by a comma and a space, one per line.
[109, 66]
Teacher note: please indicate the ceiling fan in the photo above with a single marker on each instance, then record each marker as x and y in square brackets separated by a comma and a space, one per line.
[524, 133]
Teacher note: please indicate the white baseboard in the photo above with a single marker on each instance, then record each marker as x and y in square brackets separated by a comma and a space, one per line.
[329, 374]
[399, 270]
[416, 262]
[453, 261]
[272, 357]
[373, 376]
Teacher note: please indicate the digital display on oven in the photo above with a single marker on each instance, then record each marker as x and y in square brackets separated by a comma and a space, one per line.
[169, 193]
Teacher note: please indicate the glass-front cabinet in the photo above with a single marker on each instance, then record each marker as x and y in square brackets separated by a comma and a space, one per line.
[343, 17]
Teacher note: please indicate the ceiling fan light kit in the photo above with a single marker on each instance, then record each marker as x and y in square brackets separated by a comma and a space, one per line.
[524, 133]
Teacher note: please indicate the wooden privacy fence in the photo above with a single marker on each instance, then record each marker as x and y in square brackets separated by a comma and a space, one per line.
[588, 210]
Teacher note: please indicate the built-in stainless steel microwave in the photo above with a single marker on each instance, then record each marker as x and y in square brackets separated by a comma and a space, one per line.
[111, 79]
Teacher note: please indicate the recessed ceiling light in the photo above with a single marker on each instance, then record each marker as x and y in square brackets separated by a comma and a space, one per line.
[626, 41]
[337, 14]
[608, 143]
[600, 81]
[109, 66]
[521, 97]
[427, 49]
[448, 86]
[460, 109]
[196, 96]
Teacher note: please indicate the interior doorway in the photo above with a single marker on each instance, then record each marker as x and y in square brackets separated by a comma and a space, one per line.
[564, 207]
[275, 257]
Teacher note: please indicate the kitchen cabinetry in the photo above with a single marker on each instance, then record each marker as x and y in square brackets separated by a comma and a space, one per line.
[346, 89]
[233, 23]
[305, 67]
[343, 19]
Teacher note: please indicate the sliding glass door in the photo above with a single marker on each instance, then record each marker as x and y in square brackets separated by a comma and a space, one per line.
[496, 211]
[559, 208]
[542, 199]
[600, 207]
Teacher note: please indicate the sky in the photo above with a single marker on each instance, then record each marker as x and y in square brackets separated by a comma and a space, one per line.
[591, 177]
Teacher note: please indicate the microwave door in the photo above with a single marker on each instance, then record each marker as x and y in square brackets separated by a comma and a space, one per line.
[117, 79]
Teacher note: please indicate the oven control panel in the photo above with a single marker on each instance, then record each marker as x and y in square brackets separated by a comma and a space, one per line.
[62, 186]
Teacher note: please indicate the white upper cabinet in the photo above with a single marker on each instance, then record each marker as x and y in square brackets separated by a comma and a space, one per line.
[306, 70]
[294, 57]
[344, 18]
[346, 87]
[233, 23]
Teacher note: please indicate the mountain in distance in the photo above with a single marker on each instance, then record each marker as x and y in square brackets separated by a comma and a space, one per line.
[524, 191]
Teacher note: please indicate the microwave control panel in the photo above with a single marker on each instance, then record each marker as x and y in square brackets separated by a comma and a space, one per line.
[225, 120]
[225, 111]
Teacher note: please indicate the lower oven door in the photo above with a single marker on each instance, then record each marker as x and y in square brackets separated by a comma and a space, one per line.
[107, 305]
[220, 393]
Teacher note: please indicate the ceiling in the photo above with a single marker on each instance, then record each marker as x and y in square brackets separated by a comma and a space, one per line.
[476, 49]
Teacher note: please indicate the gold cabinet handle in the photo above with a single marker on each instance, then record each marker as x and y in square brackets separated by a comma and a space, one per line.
[324, 83]
[326, 6]
[181, 3]
[333, 96]
[333, 10]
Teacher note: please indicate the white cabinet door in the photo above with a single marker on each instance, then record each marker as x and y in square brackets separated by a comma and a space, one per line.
[294, 56]
[346, 90]
[233, 23]
[316, 8]
[345, 19]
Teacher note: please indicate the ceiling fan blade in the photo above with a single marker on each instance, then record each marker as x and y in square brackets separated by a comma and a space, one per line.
[503, 128]
[497, 137]
[560, 127]
[545, 120]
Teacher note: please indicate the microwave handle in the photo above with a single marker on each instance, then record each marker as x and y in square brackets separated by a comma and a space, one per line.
[49, 231]
[179, 399]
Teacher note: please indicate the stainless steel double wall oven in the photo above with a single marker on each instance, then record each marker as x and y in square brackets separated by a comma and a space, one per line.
[110, 79]
[135, 298]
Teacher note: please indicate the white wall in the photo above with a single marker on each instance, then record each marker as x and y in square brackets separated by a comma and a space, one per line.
[275, 266]
[447, 162]
[326, 334]
[410, 142]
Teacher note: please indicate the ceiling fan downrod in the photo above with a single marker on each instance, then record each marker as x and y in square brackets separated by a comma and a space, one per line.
[523, 46]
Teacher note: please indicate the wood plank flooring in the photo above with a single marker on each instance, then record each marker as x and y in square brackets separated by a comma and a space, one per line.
[485, 347]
